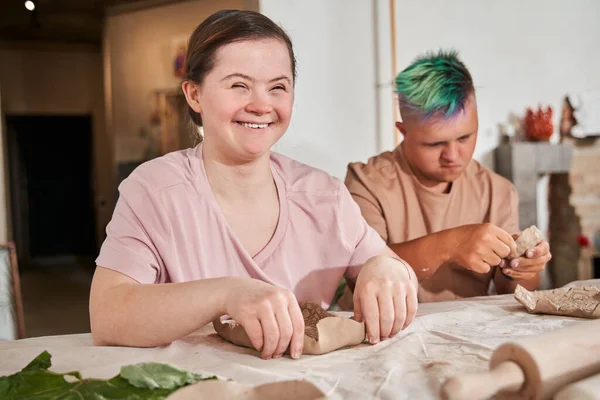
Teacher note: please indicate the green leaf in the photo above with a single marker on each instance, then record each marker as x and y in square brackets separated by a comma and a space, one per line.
[40, 362]
[36, 382]
[41, 384]
[163, 376]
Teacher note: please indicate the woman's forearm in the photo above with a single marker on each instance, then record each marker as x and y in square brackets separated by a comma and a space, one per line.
[127, 313]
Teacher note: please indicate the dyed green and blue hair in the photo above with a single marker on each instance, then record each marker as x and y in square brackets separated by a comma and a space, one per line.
[434, 85]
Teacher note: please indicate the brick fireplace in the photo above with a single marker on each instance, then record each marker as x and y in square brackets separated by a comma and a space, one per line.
[573, 200]
[523, 163]
[574, 208]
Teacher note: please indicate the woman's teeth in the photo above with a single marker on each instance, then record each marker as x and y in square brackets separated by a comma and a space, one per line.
[253, 126]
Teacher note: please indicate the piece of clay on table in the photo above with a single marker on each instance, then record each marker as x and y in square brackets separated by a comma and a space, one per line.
[323, 332]
[581, 302]
[528, 239]
[215, 389]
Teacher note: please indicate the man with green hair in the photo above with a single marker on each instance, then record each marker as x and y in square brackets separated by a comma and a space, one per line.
[447, 215]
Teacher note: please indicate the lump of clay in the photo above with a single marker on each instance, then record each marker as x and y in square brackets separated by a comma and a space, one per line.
[323, 331]
[574, 302]
[215, 389]
[526, 241]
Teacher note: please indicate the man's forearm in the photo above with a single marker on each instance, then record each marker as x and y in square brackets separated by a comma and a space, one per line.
[425, 254]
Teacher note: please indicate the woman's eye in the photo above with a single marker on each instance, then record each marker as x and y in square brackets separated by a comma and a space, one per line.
[239, 85]
[278, 87]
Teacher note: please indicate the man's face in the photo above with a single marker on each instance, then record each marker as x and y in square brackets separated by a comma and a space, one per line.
[438, 150]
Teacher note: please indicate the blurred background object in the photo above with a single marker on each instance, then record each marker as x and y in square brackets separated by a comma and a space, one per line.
[538, 124]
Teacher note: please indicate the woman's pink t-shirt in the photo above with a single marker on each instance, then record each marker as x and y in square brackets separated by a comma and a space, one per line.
[168, 227]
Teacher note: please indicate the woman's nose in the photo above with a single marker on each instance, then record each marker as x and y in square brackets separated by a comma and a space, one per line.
[259, 104]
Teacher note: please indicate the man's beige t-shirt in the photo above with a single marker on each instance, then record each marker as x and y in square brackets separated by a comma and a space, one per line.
[400, 209]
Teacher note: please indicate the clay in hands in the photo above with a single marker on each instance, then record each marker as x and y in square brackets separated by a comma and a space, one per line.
[324, 332]
[526, 241]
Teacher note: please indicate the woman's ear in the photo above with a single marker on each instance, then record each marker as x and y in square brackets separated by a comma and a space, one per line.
[191, 92]
[400, 127]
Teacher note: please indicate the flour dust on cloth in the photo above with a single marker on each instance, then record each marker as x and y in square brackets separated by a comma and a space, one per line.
[323, 332]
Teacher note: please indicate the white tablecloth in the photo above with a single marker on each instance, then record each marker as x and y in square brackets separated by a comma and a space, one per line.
[445, 339]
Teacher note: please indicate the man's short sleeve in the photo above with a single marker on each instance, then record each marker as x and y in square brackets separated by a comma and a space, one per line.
[370, 207]
[361, 240]
[508, 213]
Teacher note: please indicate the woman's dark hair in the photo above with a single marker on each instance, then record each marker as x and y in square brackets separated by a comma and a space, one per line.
[222, 28]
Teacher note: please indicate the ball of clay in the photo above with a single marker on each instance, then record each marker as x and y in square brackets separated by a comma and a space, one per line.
[323, 332]
[526, 241]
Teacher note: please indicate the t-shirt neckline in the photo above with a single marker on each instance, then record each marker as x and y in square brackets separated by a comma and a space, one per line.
[282, 221]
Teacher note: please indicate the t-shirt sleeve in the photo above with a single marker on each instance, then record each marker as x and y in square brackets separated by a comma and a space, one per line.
[508, 213]
[360, 239]
[134, 234]
[370, 207]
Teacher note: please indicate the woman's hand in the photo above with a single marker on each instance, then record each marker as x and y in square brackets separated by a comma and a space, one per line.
[385, 297]
[270, 315]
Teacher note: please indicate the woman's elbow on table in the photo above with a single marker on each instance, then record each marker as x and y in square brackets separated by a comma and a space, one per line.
[108, 308]
[102, 327]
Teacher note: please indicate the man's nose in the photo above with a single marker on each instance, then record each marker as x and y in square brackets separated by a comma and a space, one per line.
[450, 153]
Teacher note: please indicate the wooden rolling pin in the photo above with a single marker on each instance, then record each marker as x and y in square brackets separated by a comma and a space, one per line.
[535, 367]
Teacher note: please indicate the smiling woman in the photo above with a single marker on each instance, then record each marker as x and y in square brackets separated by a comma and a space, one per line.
[229, 227]
[248, 111]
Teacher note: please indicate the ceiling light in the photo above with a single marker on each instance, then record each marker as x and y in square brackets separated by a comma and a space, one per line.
[29, 5]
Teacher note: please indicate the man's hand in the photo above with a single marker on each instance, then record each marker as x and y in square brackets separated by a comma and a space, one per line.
[479, 247]
[530, 264]
[385, 297]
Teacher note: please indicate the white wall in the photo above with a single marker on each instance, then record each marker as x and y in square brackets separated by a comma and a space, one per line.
[520, 53]
[335, 112]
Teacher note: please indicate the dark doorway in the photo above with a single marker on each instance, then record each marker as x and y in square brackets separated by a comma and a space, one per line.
[51, 185]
